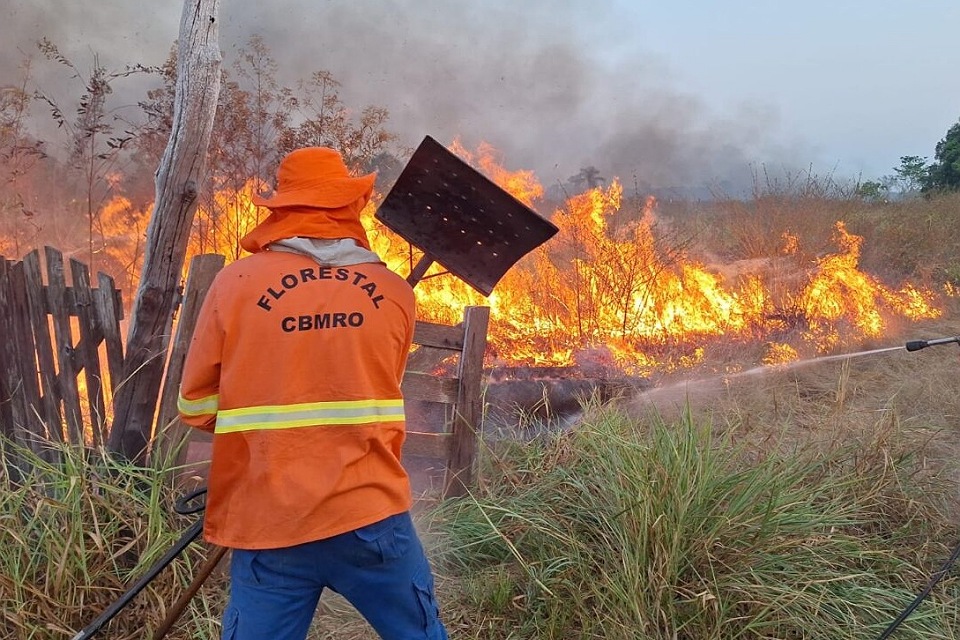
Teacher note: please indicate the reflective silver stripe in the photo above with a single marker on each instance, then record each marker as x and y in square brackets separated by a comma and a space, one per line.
[311, 414]
[198, 407]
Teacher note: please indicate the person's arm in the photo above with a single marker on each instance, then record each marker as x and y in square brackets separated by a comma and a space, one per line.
[409, 306]
[199, 396]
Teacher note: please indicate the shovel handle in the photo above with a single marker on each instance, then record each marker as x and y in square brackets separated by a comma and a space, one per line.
[178, 607]
[419, 269]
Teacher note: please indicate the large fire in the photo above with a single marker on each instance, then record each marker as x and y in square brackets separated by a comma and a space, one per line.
[608, 287]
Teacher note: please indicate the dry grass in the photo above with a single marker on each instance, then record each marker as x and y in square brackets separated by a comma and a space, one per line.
[670, 529]
[879, 433]
[912, 239]
[831, 397]
[75, 534]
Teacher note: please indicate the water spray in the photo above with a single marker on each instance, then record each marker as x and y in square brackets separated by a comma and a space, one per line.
[916, 345]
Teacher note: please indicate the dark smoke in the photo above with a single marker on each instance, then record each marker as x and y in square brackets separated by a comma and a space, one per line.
[526, 77]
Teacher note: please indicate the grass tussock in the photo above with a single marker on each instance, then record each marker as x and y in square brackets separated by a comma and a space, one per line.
[660, 530]
[76, 533]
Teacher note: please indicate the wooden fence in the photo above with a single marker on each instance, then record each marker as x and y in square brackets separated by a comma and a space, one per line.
[52, 332]
[55, 337]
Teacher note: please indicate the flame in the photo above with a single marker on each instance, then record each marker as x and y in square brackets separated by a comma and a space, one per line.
[607, 283]
[839, 293]
[522, 185]
[779, 353]
[123, 231]
[221, 223]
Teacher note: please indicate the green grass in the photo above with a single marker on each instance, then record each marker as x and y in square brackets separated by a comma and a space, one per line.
[75, 534]
[628, 527]
[667, 530]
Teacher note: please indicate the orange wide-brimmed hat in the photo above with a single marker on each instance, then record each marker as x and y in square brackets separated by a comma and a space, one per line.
[316, 197]
[316, 177]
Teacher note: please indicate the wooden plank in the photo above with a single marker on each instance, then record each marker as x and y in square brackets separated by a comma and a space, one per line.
[87, 349]
[29, 427]
[172, 433]
[466, 419]
[429, 388]
[10, 410]
[439, 336]
[70, 305]
[35, 428]
[63, 334]
[109, 303]
[431, 445]
[437, 342]
[46, 362]
[117, 300]
[109, 312]
[428, 359]
[65, 302]
[8, 380]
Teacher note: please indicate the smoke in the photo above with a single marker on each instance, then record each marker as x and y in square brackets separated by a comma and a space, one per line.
[530, 78]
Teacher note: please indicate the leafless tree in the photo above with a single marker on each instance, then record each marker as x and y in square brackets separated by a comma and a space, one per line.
[178, 183]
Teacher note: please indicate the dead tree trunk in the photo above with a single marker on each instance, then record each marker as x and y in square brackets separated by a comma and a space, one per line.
[178, 182]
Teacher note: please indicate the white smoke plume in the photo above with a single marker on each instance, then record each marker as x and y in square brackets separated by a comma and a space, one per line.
[527, 77]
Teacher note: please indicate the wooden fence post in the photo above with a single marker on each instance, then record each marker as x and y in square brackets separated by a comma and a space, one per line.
[21, 387]
[171, 433]
[49, 385]
[179, 180]
[59, 309]
[469, 407]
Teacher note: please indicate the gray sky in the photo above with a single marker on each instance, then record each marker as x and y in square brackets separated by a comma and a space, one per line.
[666, 94]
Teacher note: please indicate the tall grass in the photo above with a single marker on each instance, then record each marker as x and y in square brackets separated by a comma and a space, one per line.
[75, 534]
[666, 530]
[910, 239]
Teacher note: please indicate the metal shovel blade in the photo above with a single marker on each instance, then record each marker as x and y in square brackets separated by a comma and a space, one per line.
[459, 218]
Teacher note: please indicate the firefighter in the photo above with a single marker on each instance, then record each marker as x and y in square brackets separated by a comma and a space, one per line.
[295, 368]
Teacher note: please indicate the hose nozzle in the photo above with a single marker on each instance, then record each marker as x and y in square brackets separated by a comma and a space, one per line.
[916, 345]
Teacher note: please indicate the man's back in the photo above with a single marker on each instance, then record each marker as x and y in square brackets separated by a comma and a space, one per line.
[295, 366]
[309, 419]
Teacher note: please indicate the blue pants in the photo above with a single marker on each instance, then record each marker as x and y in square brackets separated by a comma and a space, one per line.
[380, 569]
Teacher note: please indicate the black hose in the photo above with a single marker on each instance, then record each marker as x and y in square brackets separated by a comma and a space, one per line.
[916, 345]
[923, 594]
[183, 506]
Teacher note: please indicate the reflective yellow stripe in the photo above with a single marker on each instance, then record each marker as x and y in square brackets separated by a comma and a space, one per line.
[310, 414]
[198, 407]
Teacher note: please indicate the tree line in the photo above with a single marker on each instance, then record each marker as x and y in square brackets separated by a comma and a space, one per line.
[916, 175]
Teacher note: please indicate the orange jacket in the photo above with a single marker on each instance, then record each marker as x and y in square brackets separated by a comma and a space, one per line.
[296, 368]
